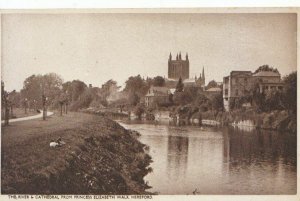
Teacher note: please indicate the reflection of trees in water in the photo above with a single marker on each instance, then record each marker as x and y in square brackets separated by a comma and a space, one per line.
[259, 146]
[177, 155]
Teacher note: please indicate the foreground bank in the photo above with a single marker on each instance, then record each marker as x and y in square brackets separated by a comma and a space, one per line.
[99, 157]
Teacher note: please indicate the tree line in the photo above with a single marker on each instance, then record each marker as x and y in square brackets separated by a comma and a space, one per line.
[76, 93]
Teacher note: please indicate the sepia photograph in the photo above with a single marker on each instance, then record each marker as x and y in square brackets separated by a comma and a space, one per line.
[148, 103]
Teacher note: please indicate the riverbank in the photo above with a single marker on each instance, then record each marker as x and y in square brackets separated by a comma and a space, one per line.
[275, 120]
[99, 157]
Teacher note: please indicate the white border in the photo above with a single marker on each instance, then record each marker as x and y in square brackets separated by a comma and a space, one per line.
[46, 4]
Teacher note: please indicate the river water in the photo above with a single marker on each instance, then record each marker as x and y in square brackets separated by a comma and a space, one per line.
[218, 160]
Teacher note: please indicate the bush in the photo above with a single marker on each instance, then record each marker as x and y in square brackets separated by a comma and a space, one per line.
[139, 111]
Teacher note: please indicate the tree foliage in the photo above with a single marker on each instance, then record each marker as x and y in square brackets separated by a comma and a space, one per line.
[266, 68]
[139, 111]
[179, 86]
[158, 81]
[136, 88]
[290, 92]
[109, 87]
[212, 84]
[36, 85]
[217, 102]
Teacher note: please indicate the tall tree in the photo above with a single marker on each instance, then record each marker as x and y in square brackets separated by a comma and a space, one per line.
[217, 102]
[290, 92]
[110, 87]
[158, 81]
[77, 89]
[136, 88]
[36, 85]
[179, 86]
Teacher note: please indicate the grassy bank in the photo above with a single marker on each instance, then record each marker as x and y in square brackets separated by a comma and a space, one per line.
[99, 157]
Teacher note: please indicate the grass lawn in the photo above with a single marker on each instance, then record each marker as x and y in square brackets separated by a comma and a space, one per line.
[29, 163]
[25, 145]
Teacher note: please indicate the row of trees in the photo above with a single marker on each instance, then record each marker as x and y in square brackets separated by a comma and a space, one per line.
[77, 94]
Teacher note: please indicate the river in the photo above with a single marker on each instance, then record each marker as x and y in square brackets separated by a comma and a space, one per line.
[218, 160]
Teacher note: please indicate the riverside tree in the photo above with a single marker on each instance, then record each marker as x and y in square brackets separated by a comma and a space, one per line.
[179, 86]
[36, 85]
[290, 92]
[136, 88]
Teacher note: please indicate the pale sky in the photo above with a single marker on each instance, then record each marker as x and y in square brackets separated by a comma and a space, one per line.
[97, 47]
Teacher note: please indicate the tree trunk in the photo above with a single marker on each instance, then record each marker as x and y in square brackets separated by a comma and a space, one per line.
[11, 111]
[61, 109]
[6, 122]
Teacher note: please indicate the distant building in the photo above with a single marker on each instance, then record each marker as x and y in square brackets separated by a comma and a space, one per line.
[201, 80]
[180, 68]
[240, 83]
[157, 96]
[237, 84]
[268, 80]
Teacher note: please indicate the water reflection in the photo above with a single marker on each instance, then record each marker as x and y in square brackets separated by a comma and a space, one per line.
[177, 156]
[219, 161]
[260, 146]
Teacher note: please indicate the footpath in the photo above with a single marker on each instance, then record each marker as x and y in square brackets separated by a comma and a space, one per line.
[29, 117]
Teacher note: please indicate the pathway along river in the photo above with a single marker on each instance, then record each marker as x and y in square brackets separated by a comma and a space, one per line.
[218, 160]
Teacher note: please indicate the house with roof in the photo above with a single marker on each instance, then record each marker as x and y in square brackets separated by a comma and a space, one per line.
[240, 83]
[237, 84]
[157, 96]
[268, 80]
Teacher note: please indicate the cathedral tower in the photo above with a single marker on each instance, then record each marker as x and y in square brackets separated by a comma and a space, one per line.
[179, 67]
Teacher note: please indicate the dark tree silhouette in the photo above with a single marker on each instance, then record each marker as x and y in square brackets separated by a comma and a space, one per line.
[179, 86]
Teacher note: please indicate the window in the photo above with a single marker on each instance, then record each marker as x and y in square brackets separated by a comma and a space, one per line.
[226, 91]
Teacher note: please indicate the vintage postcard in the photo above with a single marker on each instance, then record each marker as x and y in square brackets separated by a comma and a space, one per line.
[144, 103]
